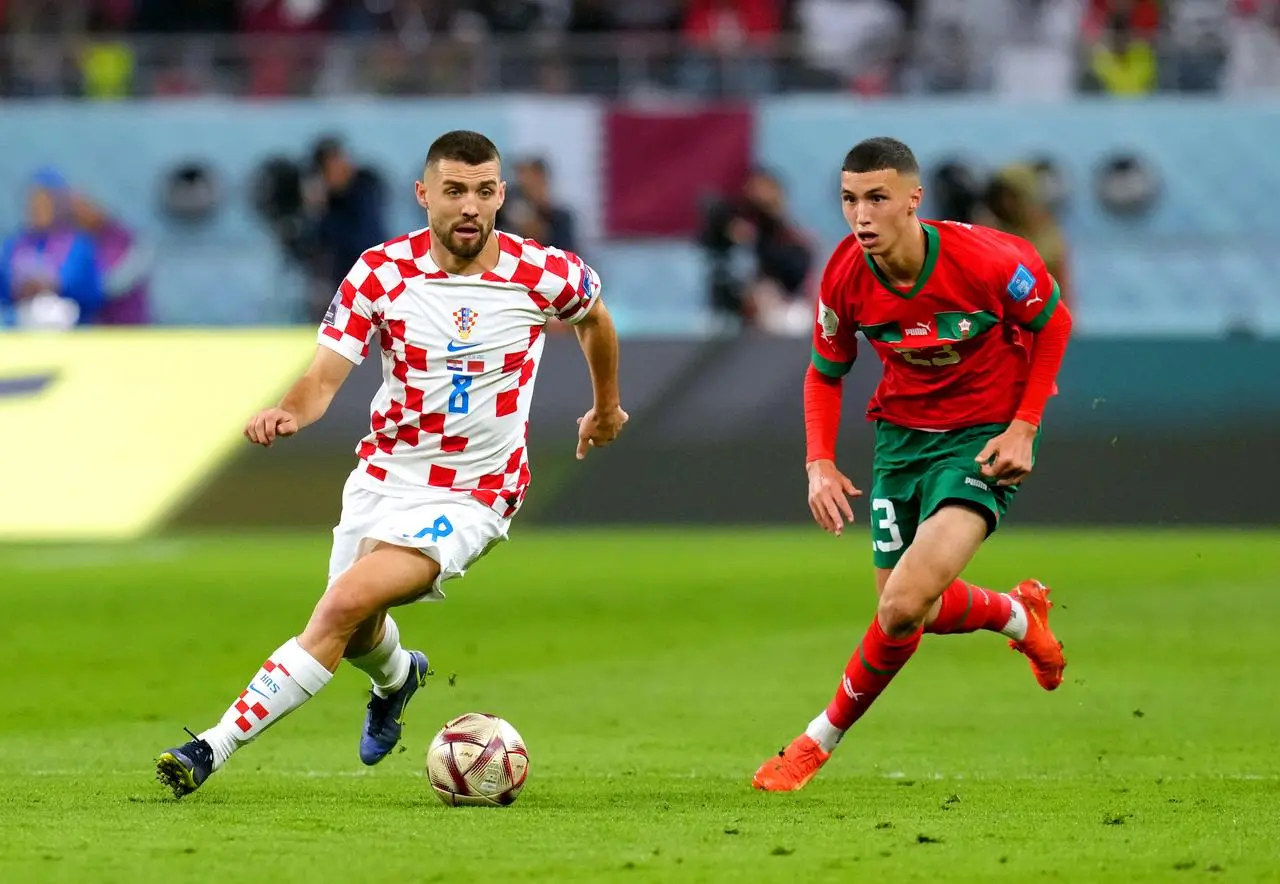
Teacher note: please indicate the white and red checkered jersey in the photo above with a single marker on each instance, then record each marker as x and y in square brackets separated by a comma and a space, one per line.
[459, 357]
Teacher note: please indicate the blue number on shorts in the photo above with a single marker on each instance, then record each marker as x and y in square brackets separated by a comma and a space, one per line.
[460, 399]
[440, 528]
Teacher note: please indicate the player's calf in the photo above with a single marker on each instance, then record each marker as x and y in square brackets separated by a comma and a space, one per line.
[944, 544]
[299, 668]
[286, 680]
[966, 607]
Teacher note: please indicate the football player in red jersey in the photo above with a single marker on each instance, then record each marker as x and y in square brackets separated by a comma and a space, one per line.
[971, 331]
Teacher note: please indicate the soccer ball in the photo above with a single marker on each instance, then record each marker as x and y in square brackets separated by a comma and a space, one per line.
[477, 759]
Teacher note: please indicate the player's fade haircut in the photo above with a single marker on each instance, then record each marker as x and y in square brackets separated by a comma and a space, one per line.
[880, 154]
[462, 146]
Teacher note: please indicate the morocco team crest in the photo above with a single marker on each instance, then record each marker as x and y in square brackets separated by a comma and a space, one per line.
[465, 319]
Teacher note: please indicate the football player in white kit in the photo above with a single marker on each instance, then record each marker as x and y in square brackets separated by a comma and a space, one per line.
[458, 310]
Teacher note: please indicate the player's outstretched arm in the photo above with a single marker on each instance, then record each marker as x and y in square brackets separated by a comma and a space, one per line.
[305, 403]
[599, 341]
[829, 489]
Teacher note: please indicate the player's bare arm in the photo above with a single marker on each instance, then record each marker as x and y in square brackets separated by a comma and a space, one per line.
[599, 341]
[305, 403]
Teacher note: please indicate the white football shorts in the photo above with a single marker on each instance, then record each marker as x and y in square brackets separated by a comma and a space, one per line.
[455, 530]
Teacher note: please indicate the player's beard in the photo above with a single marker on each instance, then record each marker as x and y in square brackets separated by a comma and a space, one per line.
[465, 249]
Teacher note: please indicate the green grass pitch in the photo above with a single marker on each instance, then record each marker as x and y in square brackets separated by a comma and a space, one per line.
[650, 673]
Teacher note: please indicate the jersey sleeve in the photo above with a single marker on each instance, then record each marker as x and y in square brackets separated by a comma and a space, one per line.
[347, 327]
[1029, 293]
[835, 339]
[580, 293]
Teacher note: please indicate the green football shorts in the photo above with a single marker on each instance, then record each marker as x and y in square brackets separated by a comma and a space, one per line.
[917, 472]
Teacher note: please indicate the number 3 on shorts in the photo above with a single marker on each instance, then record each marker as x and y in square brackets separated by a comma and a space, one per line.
[888, 524]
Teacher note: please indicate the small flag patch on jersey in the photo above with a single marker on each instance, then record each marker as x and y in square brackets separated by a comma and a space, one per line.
[469, 366]
[1022, 283]
[465, 319]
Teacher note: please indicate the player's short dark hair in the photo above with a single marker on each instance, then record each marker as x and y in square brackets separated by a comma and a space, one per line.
[463, 146]
[879, 154]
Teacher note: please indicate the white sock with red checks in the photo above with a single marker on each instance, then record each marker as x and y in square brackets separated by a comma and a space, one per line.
[387, 665]
[289, 678]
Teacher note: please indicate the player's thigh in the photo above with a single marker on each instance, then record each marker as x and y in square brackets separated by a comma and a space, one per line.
[894, 516]
[959, 482]
[945, 542]
[898, 466]
[385, 576]
[453, 530]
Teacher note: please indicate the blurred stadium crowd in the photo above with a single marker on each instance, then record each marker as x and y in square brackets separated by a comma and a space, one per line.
[741, 234]
[106, 49]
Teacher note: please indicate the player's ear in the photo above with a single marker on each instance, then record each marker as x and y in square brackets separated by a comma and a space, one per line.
[916, 196]
[502, 193]
[420, 191]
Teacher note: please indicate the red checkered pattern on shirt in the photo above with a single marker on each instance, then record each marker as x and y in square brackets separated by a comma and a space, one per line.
[558, 283]
[502, 492]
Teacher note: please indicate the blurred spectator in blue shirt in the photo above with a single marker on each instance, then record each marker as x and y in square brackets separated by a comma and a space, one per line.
[49, 274]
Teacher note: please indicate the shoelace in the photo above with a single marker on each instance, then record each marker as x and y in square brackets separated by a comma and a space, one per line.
[381, 709]
[201, 752]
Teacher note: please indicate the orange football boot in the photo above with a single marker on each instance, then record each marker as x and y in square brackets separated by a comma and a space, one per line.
[1041, 647]
[792, 768]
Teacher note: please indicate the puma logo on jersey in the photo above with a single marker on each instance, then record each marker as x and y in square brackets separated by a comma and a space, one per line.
[922, 328]
[1036, 300]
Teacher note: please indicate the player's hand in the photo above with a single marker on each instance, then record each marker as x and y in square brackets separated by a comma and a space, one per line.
[1007, 457]
[269, 423]
[829, 493]
[598, 427]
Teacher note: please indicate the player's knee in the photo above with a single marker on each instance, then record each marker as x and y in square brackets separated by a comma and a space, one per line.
[343, 608]
[901, 613]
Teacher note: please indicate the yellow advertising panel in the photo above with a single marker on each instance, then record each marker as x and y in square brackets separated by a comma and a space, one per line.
[103, 432]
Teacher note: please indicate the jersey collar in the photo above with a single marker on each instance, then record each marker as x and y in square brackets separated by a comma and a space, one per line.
[931, 249]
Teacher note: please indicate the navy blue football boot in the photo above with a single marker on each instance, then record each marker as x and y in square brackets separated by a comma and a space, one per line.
[385, 718]
[186, 767]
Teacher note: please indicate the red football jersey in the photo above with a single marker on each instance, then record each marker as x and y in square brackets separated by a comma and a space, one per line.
[956, 345]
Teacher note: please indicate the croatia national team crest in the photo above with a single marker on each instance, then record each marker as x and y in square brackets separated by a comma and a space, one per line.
[465, 319]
